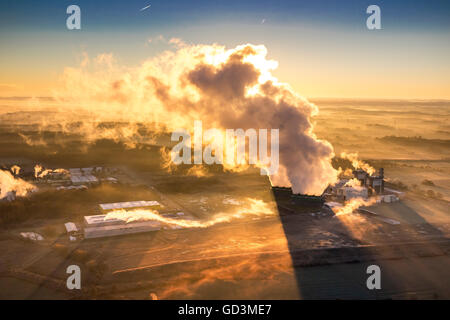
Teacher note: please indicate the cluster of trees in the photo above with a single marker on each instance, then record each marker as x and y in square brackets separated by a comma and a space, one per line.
[415, 188]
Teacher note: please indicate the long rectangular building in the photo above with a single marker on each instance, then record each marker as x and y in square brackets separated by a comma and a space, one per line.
[129, 204]
[121, 229]
[101, 220]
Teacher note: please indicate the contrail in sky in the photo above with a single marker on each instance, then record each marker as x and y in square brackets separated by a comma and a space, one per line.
[146, 7]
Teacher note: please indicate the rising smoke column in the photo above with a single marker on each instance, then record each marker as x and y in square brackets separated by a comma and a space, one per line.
[225, 89]
[304, 160]
[40, 172]
[358, 164]
[8, 184]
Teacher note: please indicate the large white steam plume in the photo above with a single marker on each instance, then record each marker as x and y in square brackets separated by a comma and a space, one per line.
[251, 208]
[225, 89]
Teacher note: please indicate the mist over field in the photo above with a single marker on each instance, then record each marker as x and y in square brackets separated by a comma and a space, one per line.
[409, 139]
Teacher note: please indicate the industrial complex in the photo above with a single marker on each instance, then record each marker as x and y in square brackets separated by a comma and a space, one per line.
[361, 185]
[110, 224]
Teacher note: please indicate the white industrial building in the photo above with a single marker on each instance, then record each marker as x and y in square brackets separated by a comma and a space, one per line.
[389, 198]
[121, 229]
[99, 226]
[72, 230]
[82, 176]
[342, 192]
[130, 204]
[70, 227]
[101, 220]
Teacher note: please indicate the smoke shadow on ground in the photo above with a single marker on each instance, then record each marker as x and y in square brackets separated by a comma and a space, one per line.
[406, 214]
[412, 265]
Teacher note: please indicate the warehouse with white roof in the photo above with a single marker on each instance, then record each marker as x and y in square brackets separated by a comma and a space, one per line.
[121, 229]
[101, 225]
[130, 204]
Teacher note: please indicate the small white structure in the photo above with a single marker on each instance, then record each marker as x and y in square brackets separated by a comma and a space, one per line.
[72, 230]
[70, 227]
[388, 198]
[130, 204]
[32, 236]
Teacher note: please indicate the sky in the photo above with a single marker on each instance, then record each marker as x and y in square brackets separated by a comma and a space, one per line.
[323, 47]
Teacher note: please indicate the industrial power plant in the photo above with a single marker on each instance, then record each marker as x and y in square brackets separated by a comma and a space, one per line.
[361, 185]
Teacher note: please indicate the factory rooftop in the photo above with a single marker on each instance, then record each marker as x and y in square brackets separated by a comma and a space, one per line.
[80, 176]
[121, 229]
[101, 220]
[129, 204]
